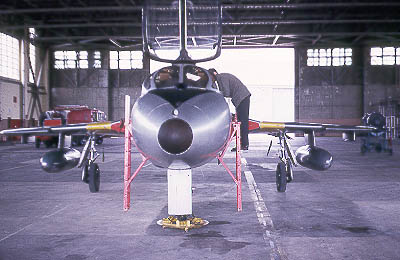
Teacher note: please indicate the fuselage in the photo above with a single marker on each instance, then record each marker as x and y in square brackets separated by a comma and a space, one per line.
[181, 120]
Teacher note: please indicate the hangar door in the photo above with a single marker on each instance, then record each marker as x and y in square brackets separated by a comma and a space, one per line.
[267, 72]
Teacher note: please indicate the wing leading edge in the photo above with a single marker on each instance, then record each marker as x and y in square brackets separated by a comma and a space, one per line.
[292, 127]
[116, 127]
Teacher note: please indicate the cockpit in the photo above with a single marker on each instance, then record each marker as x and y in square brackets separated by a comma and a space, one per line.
[180, 76]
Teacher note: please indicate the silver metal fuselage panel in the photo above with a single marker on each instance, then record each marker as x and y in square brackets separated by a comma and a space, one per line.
[203, 108]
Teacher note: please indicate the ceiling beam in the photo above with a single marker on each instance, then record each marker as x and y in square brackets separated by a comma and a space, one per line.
[83, 37]
[72, 10]
[225, 6]
[130, 24]
[316, 21]
[311, 5]
[256, 36]
[317, 34]
[71, 25]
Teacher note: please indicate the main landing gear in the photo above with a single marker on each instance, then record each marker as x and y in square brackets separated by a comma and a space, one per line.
[284, 171]
[90, 169]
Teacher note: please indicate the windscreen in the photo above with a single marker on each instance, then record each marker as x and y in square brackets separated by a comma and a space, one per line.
[162, 31]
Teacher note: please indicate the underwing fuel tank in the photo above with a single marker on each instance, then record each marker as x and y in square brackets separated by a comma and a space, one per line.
[180, 125]
[60, 160]
[314, 158]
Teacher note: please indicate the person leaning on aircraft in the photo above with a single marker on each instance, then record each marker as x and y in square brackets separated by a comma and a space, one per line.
[232, 87]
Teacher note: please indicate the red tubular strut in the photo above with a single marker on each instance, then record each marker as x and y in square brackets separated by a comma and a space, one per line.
[238, 179]
[127, 157]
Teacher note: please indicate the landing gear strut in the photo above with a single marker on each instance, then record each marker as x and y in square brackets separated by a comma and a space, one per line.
[284, 171]
[90, 169]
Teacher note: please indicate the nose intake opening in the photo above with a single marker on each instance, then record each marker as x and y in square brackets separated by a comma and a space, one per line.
[175, 136]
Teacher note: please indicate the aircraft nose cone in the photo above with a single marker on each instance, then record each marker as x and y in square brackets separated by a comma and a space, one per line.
[175, 136]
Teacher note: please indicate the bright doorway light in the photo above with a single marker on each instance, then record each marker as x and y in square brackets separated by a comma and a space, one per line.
[267, 72]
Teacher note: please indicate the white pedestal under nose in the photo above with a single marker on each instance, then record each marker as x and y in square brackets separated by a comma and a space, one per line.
[179, 192]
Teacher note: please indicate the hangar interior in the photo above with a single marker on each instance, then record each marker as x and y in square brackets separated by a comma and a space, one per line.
[346, 53]
[346, 63]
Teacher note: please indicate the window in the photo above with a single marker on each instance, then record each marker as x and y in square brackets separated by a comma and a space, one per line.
[9, 57]
[32, 33]
[97, 60]
[126, 60]
[385, 56]
[75, 59]
[329, 57]
[82, 61]
[65, 60]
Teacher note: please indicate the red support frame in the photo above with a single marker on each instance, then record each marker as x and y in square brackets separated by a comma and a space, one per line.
[127, 157]
[127, 154]
[235, 132]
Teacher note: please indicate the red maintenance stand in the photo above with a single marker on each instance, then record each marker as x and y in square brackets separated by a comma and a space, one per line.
[235, 133]
[128, 178]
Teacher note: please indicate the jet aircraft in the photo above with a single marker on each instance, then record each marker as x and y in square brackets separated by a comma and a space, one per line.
[181, 120]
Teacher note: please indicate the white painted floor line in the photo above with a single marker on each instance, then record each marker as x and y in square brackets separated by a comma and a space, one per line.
[10, 235]
[54, 213]
[13, 168]
[263, 216]
[45, 216]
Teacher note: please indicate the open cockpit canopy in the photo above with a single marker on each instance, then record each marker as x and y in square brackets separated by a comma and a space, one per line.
[182, 31]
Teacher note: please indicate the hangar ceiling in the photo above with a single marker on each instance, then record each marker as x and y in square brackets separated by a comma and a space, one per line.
[117, 23]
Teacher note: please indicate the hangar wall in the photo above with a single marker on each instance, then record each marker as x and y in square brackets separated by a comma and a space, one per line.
[14, 95]
[10, 98]
[322, 94]
[342, 94]
[329, 94]
[100, 88]
[382, 84]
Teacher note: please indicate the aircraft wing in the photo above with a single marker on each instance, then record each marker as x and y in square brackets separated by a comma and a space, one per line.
[116, 128]
[292, 127]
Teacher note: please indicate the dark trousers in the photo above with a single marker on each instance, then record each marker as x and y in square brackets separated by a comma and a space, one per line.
[242, 111]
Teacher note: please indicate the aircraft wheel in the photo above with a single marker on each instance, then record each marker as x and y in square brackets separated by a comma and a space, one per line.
[289, 173]
[281, 178]
[85, 174]
[37, 142]
[94, 177]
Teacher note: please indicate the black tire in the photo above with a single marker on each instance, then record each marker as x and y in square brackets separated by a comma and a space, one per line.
[37, 142]
[94, 177]
[289, 173]
[85, 174]
[281, 178]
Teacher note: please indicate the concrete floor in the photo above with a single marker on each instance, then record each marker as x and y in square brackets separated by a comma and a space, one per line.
[348, 212]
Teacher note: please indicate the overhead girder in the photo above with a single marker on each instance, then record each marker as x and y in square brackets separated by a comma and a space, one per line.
[266, 22]
[244, 22]
[129, 8]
